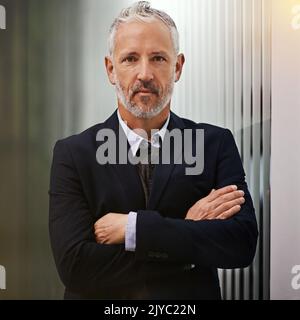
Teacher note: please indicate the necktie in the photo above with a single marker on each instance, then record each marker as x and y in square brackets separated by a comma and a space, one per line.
[146, 168]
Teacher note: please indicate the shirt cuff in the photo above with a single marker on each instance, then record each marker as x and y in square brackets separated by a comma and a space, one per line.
[130, 232]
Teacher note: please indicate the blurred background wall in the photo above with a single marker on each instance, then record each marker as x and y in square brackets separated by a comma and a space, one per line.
[53, 84]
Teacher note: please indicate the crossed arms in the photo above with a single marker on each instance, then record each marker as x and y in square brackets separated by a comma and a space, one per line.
[219, 204]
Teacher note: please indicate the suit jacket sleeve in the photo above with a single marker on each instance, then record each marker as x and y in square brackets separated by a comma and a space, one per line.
[227, 243]
[83, 265]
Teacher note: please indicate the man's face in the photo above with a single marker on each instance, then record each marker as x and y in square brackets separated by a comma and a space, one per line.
[144, 67]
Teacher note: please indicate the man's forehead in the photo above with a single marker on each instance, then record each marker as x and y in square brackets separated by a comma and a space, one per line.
[154, 34]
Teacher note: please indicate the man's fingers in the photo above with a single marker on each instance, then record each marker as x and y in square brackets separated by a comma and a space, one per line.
[102, 241]
[104, 219]
[217, 193]
[227, 197]
[101, 237]
[102, 226]
[225, 215]
[225, 208]
[229, 213]
[102, 230]
[222, 204]
[98, 223]
[228, 205]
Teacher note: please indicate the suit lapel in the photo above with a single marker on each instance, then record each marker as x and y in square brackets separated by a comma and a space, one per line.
[163, 172]
[127, 173]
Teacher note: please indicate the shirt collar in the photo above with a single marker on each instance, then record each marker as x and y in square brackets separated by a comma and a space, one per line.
[136, 140]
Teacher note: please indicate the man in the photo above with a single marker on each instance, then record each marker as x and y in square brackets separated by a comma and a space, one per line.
[144, 230]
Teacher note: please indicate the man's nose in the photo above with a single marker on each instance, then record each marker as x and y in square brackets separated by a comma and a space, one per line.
[145, 72]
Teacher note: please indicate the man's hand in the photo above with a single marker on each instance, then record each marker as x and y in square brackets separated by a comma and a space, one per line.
[219, 204]
[110, 229]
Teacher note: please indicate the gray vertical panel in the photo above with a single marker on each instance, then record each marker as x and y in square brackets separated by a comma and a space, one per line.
[220, 49]
[229, 64]
[213, 55]
[247, 102]
[221, 106]
[203, 54]
[196, 85]
[181, 93]
[266, 149]
[238, 71]
[229, 82]
[189, 47]
[256, 132]
[210, 62]
[238, 104]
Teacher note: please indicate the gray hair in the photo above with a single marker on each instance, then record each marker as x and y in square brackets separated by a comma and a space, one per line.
[142, 11]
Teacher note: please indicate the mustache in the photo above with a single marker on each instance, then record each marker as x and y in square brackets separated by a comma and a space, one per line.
[148, 85]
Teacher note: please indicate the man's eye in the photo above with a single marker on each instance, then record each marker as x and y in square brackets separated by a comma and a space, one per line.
[129, 59]
[159, 59]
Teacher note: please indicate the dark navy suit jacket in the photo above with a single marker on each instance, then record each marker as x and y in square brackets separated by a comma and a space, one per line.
[82, 191]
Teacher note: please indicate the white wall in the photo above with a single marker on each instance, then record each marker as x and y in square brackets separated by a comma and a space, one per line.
[285, 159]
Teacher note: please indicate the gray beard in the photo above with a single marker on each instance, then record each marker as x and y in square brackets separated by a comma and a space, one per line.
[138, 111]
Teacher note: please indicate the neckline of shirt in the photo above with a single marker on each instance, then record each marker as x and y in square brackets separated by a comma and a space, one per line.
[135, 140]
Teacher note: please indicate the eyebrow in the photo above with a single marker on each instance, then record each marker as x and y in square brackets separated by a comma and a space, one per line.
[134, 53]
[159, 53]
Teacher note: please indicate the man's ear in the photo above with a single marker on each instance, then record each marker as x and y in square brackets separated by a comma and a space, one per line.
[179, 66]
[110, 70]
